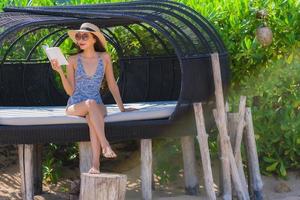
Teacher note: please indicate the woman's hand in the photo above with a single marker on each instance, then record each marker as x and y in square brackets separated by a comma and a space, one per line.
[55, 65]
[129, 109]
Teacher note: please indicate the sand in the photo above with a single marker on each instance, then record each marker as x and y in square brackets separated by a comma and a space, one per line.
[274, 188]
[10, 186]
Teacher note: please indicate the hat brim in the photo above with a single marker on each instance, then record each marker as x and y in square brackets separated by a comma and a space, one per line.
[99, 35]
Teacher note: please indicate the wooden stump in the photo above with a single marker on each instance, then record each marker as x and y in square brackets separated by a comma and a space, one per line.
[26, 168]
[103, 186]
[189, 165]
[146, 168]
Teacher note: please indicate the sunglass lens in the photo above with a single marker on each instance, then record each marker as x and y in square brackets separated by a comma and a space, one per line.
[77, 36]
[85, 36]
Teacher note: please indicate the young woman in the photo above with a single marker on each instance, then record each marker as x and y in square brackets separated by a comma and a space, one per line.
[85, 73]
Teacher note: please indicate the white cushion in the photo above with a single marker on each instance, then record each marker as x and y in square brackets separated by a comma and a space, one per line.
[37, 115]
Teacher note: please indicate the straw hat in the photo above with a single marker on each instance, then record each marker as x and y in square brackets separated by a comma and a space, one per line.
[88, 27]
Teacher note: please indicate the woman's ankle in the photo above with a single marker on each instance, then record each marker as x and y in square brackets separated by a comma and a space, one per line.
[105, 145]
[96, 167]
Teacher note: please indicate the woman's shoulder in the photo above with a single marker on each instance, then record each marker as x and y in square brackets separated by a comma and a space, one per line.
[72, 59]
[105, 56]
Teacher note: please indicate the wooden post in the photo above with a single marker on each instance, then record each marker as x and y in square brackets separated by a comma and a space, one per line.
[224, 139]
[103, 186]
[189, 165]
[233, 167]
[37, 169]
[232, 124]
[233, 121]
[204, 150]
[253, 163]
[239, 130]
[85, 156]
[236, 179]
[240, 126]
[26, 168]
[146, 168]
[221, 189]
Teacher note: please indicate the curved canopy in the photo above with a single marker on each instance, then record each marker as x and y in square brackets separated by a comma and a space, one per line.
[189, 33]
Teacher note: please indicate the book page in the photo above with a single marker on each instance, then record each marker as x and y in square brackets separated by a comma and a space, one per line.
[55, 53]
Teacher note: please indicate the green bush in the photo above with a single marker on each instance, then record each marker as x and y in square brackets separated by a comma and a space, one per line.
[276, 115]
[236, 21]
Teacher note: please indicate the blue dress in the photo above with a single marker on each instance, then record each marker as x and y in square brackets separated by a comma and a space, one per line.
[87, 87]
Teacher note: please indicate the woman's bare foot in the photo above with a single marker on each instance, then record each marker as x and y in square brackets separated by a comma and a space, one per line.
[108, 152]
[93, 170]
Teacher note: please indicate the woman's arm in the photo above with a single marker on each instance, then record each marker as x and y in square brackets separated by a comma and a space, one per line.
[68, 82]
[111, 82]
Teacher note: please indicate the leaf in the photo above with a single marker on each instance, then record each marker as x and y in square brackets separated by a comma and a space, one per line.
[269, 160]
[282, 169]
[290, 58]
[247, 42]
[272, 167]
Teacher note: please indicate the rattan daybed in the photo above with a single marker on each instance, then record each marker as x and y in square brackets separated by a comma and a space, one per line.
[178, 74]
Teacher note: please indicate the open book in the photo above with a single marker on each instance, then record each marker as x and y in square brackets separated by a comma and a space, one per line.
[55, 53]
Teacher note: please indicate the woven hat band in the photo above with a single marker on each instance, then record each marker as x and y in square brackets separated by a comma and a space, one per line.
[87, 28]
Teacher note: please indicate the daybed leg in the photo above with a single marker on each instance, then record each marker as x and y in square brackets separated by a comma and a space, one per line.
[26, 169]
[37, 169]
[85, 156]
[146, 168]
[189, 162]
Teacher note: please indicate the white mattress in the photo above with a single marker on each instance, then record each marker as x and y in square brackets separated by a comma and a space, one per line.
[37, 115]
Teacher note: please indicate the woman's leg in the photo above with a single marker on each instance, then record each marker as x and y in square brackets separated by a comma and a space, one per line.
[106, 149]
[96, 114]
[95, 148]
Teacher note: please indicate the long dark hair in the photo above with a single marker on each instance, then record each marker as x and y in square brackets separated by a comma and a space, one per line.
[97, 46]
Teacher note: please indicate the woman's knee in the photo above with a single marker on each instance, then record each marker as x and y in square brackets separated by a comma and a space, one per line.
[90, 103]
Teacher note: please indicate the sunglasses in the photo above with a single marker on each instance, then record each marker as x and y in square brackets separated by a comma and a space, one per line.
[84, 36]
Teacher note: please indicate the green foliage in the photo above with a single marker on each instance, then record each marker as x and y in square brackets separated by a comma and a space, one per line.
[236, 22]
[167, 148]
[276, 115]
[56, 157]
